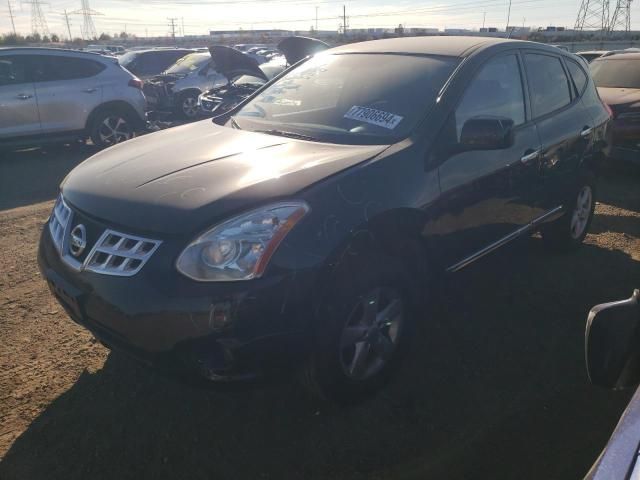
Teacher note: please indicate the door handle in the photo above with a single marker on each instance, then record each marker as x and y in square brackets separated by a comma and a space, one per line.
[24, 96]
[90, 90]
[586, 131]
[530, 156]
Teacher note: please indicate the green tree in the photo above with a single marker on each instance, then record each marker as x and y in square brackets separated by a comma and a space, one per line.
[55, 38]
[104, 37]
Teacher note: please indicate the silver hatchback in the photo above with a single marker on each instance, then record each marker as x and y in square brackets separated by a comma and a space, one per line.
[52, 93]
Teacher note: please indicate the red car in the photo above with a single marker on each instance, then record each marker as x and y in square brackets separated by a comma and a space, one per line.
[618, 80]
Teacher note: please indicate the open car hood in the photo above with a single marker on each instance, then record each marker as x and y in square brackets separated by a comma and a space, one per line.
[297, 48]
[232, 63]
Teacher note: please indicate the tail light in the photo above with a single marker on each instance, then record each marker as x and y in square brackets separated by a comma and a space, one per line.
[609, 110]
[136, 83]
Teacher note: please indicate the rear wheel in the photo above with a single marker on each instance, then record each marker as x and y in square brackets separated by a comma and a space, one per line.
[570, 230]
[111, 127]
[362, 331]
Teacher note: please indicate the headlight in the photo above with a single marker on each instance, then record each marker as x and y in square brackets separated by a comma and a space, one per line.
[240, 248]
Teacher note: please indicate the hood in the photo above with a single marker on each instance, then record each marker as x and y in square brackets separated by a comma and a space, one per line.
[231, 62]
[184, 179]
[620, 97]
[297, 48]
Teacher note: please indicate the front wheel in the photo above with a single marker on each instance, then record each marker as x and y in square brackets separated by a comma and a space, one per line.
[570, 230]
[362, 332]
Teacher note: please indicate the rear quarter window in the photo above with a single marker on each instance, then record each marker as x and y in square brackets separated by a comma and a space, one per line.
[580, 78]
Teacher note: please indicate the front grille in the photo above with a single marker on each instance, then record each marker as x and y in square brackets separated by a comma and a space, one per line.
[113, 253]
[58, 222]
[120, 254]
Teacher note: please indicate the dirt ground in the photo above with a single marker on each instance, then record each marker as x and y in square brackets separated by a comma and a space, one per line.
[496, 389]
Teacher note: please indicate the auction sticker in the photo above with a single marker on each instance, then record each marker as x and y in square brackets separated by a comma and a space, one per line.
[374, 117]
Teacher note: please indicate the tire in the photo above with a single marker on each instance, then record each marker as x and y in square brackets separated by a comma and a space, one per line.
[110, 127]
[359, 344]
[187, 107]
[569, 231]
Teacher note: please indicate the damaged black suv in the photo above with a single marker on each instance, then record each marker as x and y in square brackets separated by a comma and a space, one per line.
[298, 229]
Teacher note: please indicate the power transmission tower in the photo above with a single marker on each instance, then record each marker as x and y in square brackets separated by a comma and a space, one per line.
[172, 26]
[11, 15]
[38, 22]
[621, 18]
[88, 29]
[593, 15]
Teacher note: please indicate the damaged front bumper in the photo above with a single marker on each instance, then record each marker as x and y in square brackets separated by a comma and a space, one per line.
[235, 331]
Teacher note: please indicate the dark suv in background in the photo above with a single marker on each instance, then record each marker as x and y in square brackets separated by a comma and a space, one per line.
[148, 63]
[302, 227]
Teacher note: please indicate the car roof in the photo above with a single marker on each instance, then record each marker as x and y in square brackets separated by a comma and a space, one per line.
[50, 50]
[620, 56]
[437, 45]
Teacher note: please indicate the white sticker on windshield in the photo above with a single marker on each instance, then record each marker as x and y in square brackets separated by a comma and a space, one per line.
[374, 117]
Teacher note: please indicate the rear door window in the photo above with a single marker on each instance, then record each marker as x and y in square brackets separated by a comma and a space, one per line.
[495, 92]
[53, 68]
[13, 70]
[580, 78]
[548, 83]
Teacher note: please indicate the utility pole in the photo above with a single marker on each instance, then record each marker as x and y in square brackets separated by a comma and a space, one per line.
[344, 20]
[183, 26]
[88, 28]
[316, 19]
[509, 16]
[66, 20]
[38, 20]
[14, 25]
[172, 26]
[484, 19]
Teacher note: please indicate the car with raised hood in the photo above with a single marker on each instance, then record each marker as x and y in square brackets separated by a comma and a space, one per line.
[618, 80]
[302, 229]
[246, 76]
[177, 89]
[54, 95]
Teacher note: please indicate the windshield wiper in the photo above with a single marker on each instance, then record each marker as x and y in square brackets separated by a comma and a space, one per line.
[234, 124]
[284, 133]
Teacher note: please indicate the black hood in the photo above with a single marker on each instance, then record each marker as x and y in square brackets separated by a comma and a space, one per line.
[297, 48]
[186, 178]
[232, 63]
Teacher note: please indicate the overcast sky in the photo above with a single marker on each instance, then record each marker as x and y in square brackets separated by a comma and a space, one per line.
[199, 16]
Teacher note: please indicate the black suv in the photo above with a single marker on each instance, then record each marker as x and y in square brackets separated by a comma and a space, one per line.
[149, 63]
[301, 227]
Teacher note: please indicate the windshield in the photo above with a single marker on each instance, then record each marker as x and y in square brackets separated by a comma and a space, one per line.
[188, 64]
[128, 58]
[616, 73]
[351, 99]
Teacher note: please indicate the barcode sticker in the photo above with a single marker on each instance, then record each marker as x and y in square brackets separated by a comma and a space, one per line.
[374, 117]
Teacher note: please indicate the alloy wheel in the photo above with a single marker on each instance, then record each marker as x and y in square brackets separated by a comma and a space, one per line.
[371, 334]
[190, 106]
[581, 212]
[114, 129]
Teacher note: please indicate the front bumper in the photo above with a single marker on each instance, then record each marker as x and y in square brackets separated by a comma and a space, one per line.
[222, 332]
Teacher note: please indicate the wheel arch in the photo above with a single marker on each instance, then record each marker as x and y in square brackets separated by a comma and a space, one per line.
[119, 105]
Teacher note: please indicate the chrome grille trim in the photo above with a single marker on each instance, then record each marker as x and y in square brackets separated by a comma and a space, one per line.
[115, 253]
[59, 222]
[120, 254]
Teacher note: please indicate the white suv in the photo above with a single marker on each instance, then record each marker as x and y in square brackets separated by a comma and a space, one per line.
[48, 94]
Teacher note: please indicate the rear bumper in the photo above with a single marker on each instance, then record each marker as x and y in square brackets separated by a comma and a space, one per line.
[224, 333]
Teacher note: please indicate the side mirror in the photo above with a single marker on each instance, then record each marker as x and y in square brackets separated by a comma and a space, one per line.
[486, 133]
[612, 343]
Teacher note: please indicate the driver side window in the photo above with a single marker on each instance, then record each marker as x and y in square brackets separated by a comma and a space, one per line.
[495, 92]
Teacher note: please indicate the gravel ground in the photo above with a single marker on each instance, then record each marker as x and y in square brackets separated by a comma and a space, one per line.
[496, 389]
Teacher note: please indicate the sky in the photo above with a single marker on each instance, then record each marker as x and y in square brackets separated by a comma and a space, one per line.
[150, 17]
